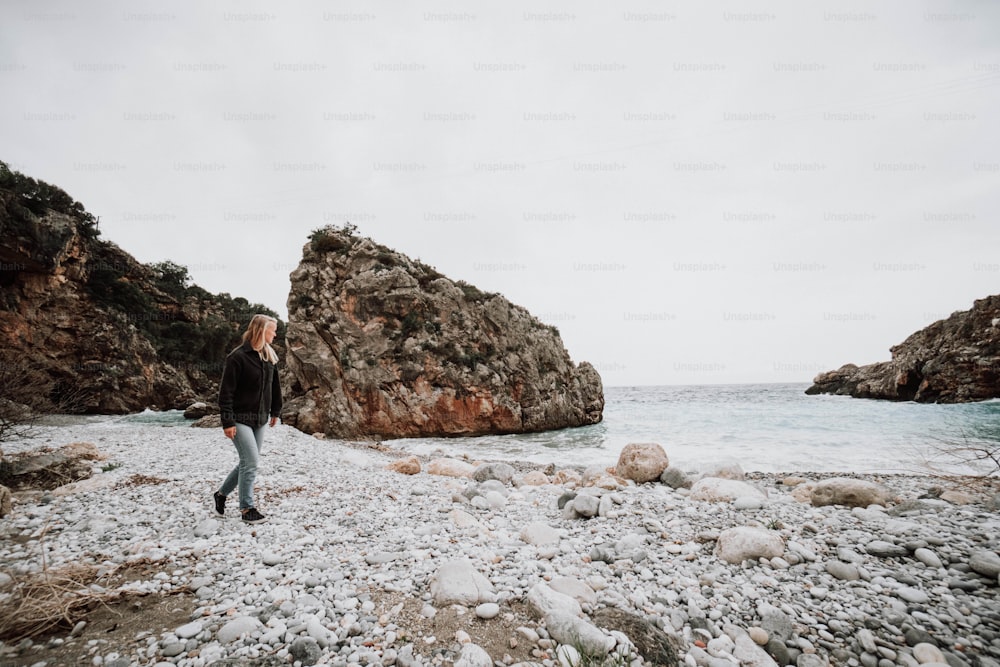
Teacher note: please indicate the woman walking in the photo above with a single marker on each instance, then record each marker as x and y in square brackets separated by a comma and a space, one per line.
[249, 398]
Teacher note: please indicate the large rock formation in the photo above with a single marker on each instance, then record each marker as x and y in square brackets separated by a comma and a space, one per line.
[107, 333]
[381, 345]
[954, 360]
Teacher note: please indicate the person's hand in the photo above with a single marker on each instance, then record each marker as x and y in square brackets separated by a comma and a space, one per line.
[230, 432]
[274, 420]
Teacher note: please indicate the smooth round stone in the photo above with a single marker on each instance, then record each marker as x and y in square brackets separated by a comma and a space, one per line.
[925, 653]
[868, 660]
[488, 610]
[270, 558]
[843, 571]
[915, 636]
[748, 503]
[913, 595]
[986, 563]
[777, 648]
[811, 660]
[866, 639]
[819, 592]
[568, 656]
[174, 649]
[928, 558]
[884, 549]
[758, 635]
[189, 630]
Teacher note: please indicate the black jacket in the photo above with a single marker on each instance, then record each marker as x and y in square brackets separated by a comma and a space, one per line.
[250, 392]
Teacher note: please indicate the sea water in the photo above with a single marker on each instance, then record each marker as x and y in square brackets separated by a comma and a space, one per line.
[762, 427]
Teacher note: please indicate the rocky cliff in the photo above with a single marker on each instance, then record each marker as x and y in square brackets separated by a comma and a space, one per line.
[954, 360]
[106, 332]
[381, 345]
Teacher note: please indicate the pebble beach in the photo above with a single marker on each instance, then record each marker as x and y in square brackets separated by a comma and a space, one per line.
[478, 563]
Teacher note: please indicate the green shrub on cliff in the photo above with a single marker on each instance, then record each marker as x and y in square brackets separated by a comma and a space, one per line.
[332, 239]
[33, 197]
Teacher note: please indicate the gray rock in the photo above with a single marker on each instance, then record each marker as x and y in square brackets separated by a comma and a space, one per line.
[271, 558]
[604, 553]
[927, 557]
[575, 588]
[383, 557]
[777, 650]
[912, 595]
[916, 636]
[776, 622]
[539, 534]
[675, 478]
[236, 628]
[488, 610]
[206, 528]
[565, 498]
[926, 652]
[749, 503]
[719, 489]
[189, 630]
[586, 505]
[173, 649]
[208, 421]
[884, 549]
[986, 563]
[575, 631]
[744, 542]
[197, 410]
[750, 654]
[843, 571]
[306, 650]
[458, 582]
[543, 601]
[473, 656]
[811, 660]
[849, 492]
[501, 472]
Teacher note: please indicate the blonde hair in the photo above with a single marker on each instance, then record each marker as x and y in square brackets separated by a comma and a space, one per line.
[255, 334]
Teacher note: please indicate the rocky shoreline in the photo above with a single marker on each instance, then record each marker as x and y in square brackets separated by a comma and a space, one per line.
[359, 564]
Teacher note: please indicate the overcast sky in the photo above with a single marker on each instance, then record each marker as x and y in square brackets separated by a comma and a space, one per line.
[704, 192]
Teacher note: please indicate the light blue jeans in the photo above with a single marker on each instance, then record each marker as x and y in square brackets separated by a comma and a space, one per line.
[248, 442]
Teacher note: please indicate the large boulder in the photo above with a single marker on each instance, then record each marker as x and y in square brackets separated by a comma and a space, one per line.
[458, 582]
[741, 543]
[850, 492]
[642, 462]
[383, 345]
[953, 360]
[717, 489]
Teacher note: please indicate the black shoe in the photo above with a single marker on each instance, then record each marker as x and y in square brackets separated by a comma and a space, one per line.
[220, 504]
[253, 516]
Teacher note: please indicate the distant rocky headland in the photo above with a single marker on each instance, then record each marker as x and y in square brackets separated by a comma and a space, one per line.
[379, 344]
[954, 360]
[85, 327]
